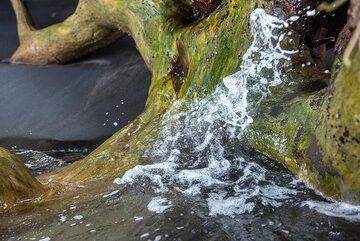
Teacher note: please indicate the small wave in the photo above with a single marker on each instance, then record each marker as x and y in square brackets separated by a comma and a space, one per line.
[159, 204]
[336, 209]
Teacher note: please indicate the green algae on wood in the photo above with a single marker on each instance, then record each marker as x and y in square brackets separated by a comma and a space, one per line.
[189, 61]
[16, 182]
[338, 131]
[316, 134]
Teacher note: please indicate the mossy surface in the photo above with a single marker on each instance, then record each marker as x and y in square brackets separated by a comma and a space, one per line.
[189, 60]
[338, 130]
[16, 182]
[310, 133]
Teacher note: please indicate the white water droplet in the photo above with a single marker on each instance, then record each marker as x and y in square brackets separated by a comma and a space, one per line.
[293, 18]
[78, 217]
[63, 218]
[159, 204]
[45, 239]
[311, 13]
[136, 218]
[144, 235]
[157, 238]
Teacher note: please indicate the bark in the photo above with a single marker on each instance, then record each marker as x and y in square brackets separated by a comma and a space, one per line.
[189, 57]
[78, 35]
[352, 23]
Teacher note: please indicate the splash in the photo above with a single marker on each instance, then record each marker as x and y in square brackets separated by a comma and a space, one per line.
[194, 154]
[336, 209]
[159, 204]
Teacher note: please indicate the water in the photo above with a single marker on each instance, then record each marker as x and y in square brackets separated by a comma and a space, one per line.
[200, 152]
[204, 183]
[140, 213]
[40, 162]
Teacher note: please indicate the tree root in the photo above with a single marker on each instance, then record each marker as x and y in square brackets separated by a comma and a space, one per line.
[190, 59]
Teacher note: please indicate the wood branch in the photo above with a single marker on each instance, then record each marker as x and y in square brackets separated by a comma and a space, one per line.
[78, 35]
[24, 21]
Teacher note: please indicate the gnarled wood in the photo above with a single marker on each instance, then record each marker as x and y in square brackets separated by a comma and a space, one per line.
[78, 35]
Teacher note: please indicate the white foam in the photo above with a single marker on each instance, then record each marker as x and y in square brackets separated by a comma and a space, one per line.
[190, 153]
[63, 218]
[78, 217]
[45, 239]
[137, 218]
[157, 238]
[111, 194]
[38, 159]
[274, 195]
[311, 13]
[219, 204]
[159, 204]
[144, 235]
[336, 209]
